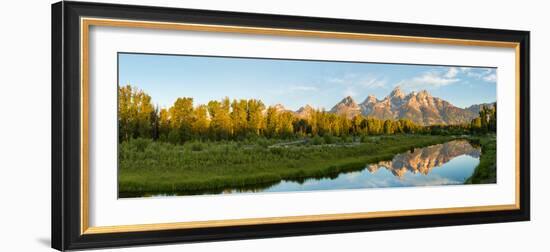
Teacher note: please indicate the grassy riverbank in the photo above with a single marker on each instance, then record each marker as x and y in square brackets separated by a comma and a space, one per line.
[486, 171]
[146, 166]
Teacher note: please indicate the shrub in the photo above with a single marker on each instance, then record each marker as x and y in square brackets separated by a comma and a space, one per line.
[251, 136]
[197, 146]
[141, 144]
[277, 151]
[346, 139]
[174, 137]
[263, 142]
[329, 139]
[475, 142]
[316, 140]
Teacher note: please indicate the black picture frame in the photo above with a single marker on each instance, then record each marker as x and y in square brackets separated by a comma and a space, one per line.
[66, 156]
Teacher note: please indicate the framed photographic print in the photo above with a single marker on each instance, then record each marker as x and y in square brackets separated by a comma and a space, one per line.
[180, 125]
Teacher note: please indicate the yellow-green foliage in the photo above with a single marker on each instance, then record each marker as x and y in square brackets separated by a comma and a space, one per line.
[239, 119]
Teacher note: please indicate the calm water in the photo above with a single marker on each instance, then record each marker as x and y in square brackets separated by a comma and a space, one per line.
[449, 163]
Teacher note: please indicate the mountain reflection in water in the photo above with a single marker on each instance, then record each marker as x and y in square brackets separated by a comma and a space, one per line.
[423, 160]
[450, 163]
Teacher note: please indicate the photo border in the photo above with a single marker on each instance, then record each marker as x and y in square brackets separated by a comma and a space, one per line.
[119, 53]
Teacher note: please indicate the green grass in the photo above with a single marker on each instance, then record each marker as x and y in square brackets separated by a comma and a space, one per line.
[486, 171]
[146, 166]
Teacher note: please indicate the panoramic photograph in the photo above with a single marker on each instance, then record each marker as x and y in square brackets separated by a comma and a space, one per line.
[195, 125]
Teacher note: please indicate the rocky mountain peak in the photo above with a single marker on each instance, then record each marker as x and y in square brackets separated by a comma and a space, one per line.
[348, 101]
[423, 93]
[346, 107]
[419, 107]
[279, 107]
[370, 99]
[305, 111]
[397, 92]
[305, 108]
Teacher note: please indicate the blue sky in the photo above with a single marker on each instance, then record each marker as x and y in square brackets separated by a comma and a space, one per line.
[295, 83]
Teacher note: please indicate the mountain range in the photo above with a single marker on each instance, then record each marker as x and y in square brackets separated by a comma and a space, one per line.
[419, 107]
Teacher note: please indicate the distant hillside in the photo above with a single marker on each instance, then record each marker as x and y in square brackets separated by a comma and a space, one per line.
[477, 107]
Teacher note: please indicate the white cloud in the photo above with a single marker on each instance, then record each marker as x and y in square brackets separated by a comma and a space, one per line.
[303, 88]
[476, 75]
[373, 83]
[465, 69]
[430, 80]
[453, 71]
[490, 78]
[354, 79]
[356, 83]
[291, 89]
[487, 75]
[436, 79]
[335, 80]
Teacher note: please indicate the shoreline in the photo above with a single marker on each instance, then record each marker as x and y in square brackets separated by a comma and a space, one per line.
[311, 170]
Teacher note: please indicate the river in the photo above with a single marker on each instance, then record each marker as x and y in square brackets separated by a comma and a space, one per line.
[449, 163]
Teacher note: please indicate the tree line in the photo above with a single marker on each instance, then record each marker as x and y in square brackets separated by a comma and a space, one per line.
[486, 121]
[246, 118]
